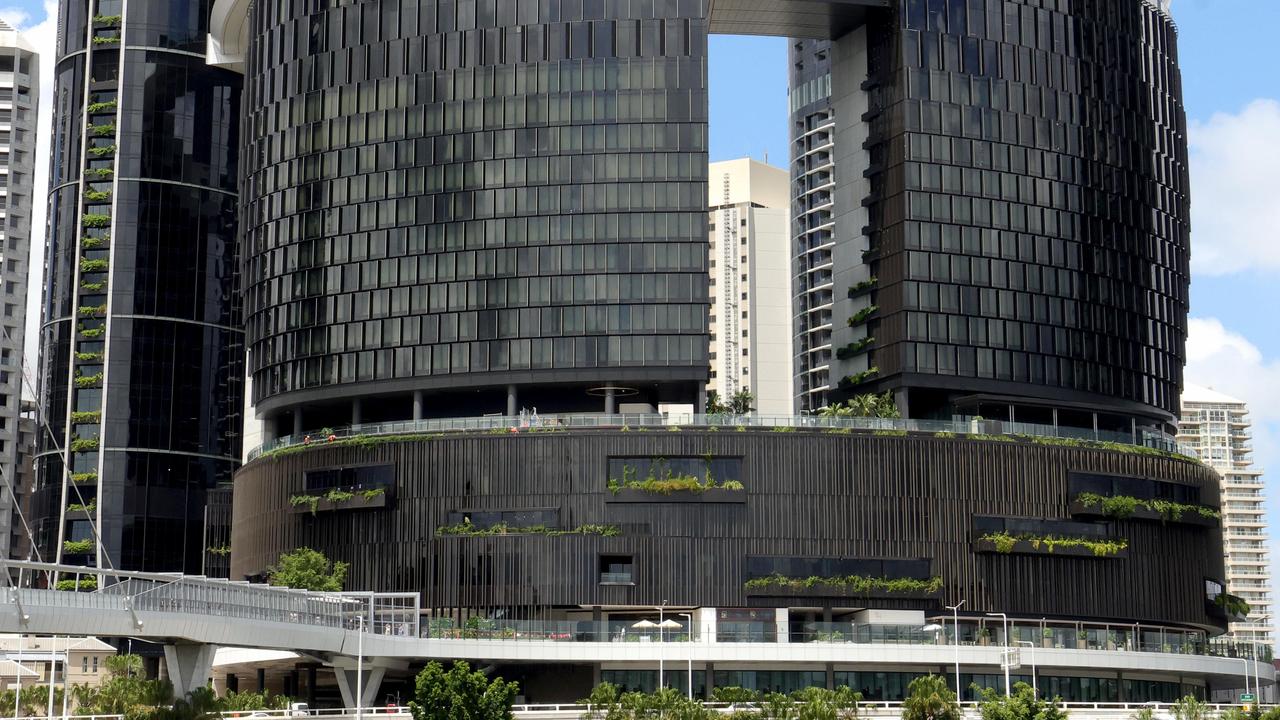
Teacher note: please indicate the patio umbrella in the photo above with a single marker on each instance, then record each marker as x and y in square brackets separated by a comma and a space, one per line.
[644, 625]
[668, 623]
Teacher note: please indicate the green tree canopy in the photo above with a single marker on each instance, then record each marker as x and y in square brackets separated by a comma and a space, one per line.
[1021, 705]
[307, 569]
[930, 698]
[461, 694]
[867, 405]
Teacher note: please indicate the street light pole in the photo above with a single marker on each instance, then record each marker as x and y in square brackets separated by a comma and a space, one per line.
[955, 617]
[689, 617]
[661, 632]
[360, 666]
[1005, 660]
[1035, 685]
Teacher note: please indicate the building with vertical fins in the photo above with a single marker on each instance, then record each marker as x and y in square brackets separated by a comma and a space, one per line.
[19, 99]
[748, 241]
[1217, 427]
[141, 362]
[454, 210]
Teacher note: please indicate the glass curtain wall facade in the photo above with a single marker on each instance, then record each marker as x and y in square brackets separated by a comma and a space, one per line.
[452, 205]
[141, 348]
[1028, 213]
[19, 95]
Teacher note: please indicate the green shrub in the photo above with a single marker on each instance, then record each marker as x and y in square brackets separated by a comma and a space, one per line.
[88, 381]
[850, 381]
[1101, 547]
[860, 287]
[102, 107]
[95, 220]
[102, 151]
[100, 173]
[219, 550]
[78, 547]
[97, 195]
[85, 417]
[107, 19]
[84, 444]
[84, 477]
[93, 287]
[91, 310]
[863, 315]
[466, 529]
[82, 585]
[105, 40]
[89, 266]
[77, 507]
[90, 332]
[857, 584]
[92, 243]
[1123, 506]
[855, 347]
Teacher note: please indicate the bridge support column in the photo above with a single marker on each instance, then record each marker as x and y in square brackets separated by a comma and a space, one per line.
[347, 685]
[188, 667]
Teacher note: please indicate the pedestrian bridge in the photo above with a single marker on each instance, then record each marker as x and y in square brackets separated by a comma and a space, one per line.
[192, 616]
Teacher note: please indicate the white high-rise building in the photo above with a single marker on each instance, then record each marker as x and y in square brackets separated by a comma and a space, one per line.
[1217, 426]
[750, 267]
[19, 95]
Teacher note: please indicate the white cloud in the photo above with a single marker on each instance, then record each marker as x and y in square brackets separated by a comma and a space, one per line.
[1228, 362]
[41, 33]
[1235, 172]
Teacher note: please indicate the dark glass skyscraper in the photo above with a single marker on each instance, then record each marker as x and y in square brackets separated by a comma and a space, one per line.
[453, 208]
[141, 363]
[1022, 251]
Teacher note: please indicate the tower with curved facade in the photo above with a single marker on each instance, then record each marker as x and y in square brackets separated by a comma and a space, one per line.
[141, 363]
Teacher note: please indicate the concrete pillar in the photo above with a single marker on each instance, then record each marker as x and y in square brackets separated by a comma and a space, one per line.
[356, 411]
[610, 403]
[831, 676]
[706, 624]
[262, 679]
[701, 407]
[417, 404]
[781, 620]
[347, 685]
[188, 667]
[297, 421]
[311, 686]
[512, 400]
[709, 675]
[269, 429]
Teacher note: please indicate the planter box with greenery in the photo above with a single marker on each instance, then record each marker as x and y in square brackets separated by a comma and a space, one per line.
[106, 40]
[716, 495]
[861, 288]
[84, 478]
[77, 547]
[95, 220]
[466, 529]
[1124, 507]
[855, 347]
[89, 381]
[88, 266]
[77, 511]
[371, 499]
[845, 586]
[82, 585]
[108, 20]
[84, 444]
[1027, 544]
[102, 107]
[99, 173]
[863, 315]
[850, 381]
[674, 488]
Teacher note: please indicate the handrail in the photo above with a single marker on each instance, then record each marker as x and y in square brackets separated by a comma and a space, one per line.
[550, 423]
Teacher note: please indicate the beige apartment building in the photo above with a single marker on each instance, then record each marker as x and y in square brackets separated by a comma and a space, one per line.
[1217, 426]
[750, 266]
[32, 658]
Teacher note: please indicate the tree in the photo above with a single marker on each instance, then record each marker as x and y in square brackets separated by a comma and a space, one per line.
[823, 704]
[742, 402]
[1021, 705]
[715, 406]
[866, 405]
[930, 698]
[1189, 708]
[307, 569]
[461, 694]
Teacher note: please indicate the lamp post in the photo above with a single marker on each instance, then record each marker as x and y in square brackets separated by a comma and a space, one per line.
[1004, 662]
[955, 617]
[661, 609]
[1035, 686]
[689, 617]
[360, 665]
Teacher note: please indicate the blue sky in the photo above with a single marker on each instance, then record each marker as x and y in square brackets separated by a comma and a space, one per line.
[1232, 93]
